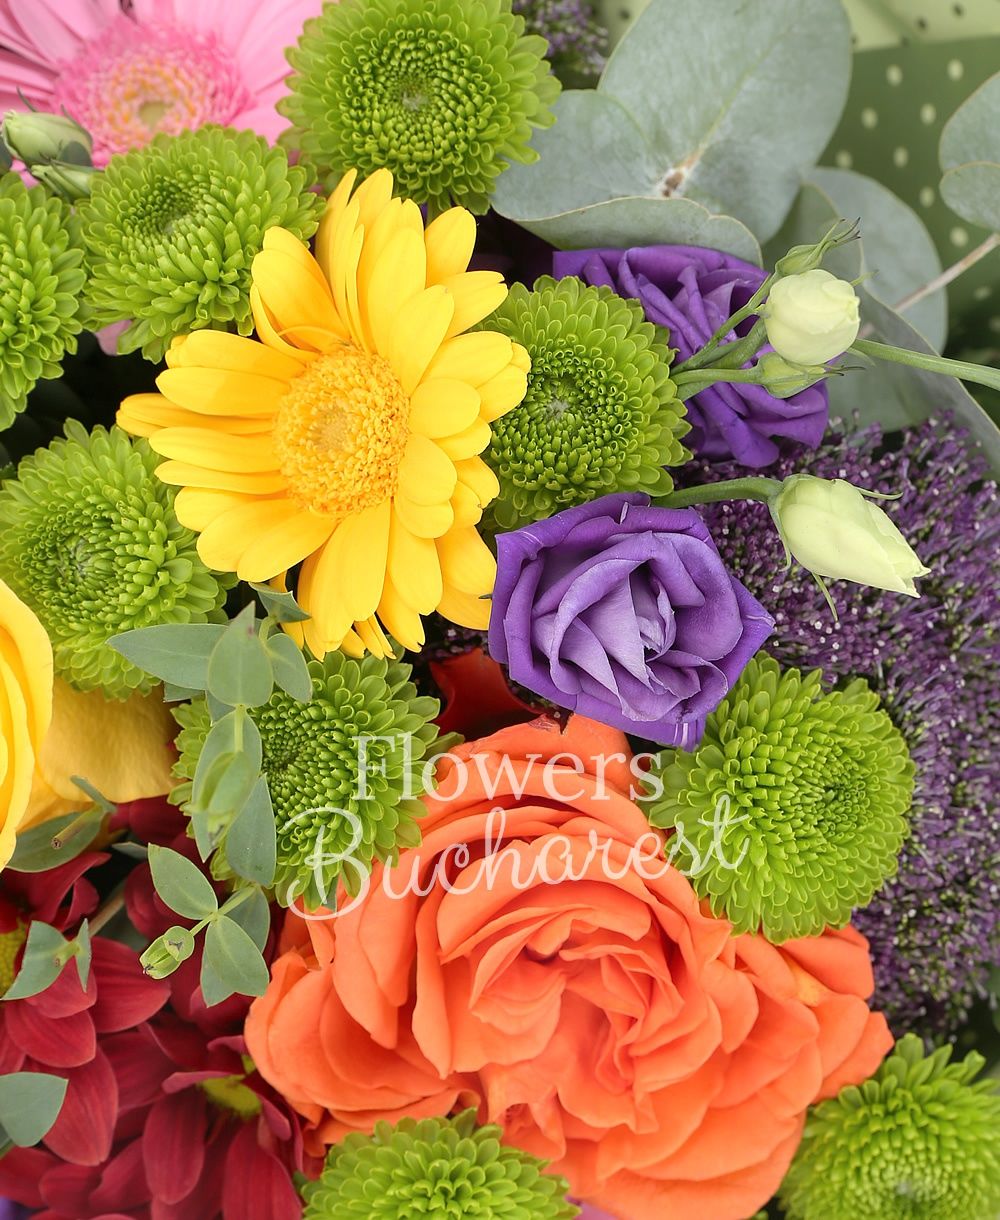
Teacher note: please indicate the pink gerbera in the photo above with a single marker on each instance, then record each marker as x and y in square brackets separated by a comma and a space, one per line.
[128, 71]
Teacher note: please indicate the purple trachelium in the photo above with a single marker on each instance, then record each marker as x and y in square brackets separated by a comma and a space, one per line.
[935, 928]
[577, 41]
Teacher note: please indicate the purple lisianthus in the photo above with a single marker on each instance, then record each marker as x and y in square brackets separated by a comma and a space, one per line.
[625, 613]
[692, 291]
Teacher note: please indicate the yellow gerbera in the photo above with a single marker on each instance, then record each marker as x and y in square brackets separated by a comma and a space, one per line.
[346, 437]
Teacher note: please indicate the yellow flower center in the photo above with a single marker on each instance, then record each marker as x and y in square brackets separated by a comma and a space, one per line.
[230, 1093]
[340, 433]
[10, 946]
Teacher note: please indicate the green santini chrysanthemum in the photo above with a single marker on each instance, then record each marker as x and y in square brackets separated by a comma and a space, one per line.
[89, 540]
[792, 810]
[445, 1168]
[920, 1140]
[171, 231]
[344, 771]
[444, 93]
[40, 284]
[601, 414]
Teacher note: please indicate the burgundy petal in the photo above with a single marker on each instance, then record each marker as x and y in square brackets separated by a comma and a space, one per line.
[205, 1201]
[256, 1185]
[21, 1172]
[11, 1056]
[69, 1187]
[65, 996]
[123, 1181]
[173, 1144]
[64, 1043]
[126, 996]
[140, 1067]
[83, 1130]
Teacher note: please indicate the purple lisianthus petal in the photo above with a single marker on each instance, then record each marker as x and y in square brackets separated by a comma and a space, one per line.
[691, 291]
[624, 612]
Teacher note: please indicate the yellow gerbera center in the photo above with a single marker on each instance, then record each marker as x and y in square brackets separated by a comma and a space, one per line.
[230, 1093]
[340, 433]
[10, 947]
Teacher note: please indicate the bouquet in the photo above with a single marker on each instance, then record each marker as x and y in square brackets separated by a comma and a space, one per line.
[498, 649]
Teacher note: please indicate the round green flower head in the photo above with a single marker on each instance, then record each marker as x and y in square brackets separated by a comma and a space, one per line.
[444, 93]
[171, 231]
[601, 414]
[920, 1140]
[441, 1167]
[792, 810]
[40, 284]
[344, 771]
[89, 540]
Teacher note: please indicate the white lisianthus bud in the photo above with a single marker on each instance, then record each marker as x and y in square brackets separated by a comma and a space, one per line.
[812, 317]
[833, 530]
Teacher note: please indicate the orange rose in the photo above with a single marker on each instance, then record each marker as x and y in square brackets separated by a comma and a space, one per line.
[607, 1022]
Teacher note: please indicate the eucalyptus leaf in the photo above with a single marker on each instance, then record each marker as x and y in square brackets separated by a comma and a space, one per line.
[181, 884]
[687, 109]
[239, 670]
[281, 606]
[84, 953]
[35, 852]
[253, 915]
[251, 843]
[970, 156]
[175, 653]
[41, 964]
[178, 694]
[231, 964]
[289, 665]
[29, 1105]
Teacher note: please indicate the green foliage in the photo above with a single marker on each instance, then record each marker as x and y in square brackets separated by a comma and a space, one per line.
[90, 541]
[46, 953]
[970, 157]
[232, 962]
[29, 1106]
[441, 92]
[920, 1140]
[213, 192]
[792, 810]
[181, 884]
[176, 655]
[40, 285]
[601, 413]
[239, 669]
[444, 1167]
[41, 847]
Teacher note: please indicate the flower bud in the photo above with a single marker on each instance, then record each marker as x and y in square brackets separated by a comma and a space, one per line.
[167, 952]
[807, 258]
[69, 182]
[812, 317]
[782, 379]
[833, 530]
[37, 138]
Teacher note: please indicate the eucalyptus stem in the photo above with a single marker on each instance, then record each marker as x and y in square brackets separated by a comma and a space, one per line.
[751, 488]
[708, 353]
[977, 373]
[691, 383]
[108, 911]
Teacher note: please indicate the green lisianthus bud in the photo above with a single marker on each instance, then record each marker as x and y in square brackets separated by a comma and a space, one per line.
[167, 952]
[69, 182]
[37, 138]
[782, 379]
[832, 529]
[811, 318]
[807, 258]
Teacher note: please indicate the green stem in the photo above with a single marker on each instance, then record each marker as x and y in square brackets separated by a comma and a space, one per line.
[751, 488]
[708, 353]
[976, 373]
[689, 384]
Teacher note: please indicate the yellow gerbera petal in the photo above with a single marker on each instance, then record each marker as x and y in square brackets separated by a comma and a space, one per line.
[360, 547]
[477, 294]
[216, 349]
[466, 506]
[424, 520]
[400, 619]
[224, 542]
[216, 451]
[467, 444]
[465, 609]
[398, 216]
[198, 507]
[505, 391]
[267, 331]
[418, 332]
[283, 544]
[352, 644]
[373, 195]
[396, 278]
[323, 595]
[450, 241]
[331, 218]
[277, 238]
[146, 414]
[299, 302]
[474, 358]
[480, 480]
[426, 475]
[373, 638]
[279, 584]
[182, 474]
[467, 564]
[443, 408]
[222, 392]
[414, 568]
